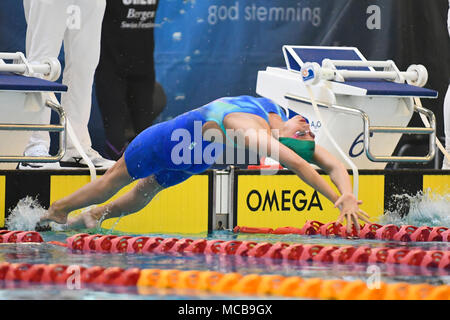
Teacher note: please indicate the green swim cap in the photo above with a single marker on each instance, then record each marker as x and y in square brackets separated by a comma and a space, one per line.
[304, 148]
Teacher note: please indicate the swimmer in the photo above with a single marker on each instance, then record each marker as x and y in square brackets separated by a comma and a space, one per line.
[150, 159]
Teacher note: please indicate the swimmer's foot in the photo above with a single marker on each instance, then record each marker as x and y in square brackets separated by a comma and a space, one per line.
[84, 220]
[51, 215]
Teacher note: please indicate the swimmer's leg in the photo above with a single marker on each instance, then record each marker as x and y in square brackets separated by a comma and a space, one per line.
[95, 192]
[131, 202]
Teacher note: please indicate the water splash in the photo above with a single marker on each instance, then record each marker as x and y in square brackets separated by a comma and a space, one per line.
[111, 230]
[425, 209]
[26, 215]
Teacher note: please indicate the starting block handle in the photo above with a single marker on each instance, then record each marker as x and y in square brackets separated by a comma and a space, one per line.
[431, 131]
[328, 63]
[61, 128]
[387, 75]
[409, 130]
[50, 68]
[312, 73]
[10, 55]
[23, 69]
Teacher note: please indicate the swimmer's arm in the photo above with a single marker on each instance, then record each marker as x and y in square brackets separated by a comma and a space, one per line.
[306, 172]
[347, 202]
[334, 168]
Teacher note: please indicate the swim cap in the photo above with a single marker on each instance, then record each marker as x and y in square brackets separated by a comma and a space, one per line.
[304, 148]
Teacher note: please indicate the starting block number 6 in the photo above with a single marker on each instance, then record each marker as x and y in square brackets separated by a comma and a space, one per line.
[358, 141]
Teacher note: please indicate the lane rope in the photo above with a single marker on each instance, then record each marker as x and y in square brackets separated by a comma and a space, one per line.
[220, 283]
[7, 236]
[405, 233]
[280, 250]
[84, 242]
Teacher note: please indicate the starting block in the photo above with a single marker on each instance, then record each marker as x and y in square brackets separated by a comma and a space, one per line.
[365, 109]
[25, 90]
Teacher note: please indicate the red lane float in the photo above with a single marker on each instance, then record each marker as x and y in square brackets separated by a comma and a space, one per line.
[287, 230]
[7, 236]
[29, 236]
[34, 273]
[445, 236]
[103, 243]
[120, 244]
[325, 255]
[228, 247]
[136, 244]
[165, 245]
[59, 274]
[378, 255]
[432, 259]
[58, 243]
[197, 246]
[353, 233]
[244, 248]
[252, 230]
[445, 261]
[279, 250]
[213, 246]
[413, 257]
[310, 251]
[330, 229]
[259, 250]
[54, 273]
[360, 255]
[386, 232]
[436, 234]
[89, 242]
[150, 244]
[180, 245]
[395, 256]
[343, 254]
[292, 252]
[405, 233]
[16, 271]
[369, 230]
[275, 250]
[76, 242]
[311, 228]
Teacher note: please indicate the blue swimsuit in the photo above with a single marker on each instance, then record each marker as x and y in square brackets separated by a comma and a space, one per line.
[174, 150]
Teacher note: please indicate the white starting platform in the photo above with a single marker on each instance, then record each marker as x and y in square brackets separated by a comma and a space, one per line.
[25, 90]
[364, 105]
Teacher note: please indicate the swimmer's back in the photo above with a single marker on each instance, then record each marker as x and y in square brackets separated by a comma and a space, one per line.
[152, 150]
[217, 110]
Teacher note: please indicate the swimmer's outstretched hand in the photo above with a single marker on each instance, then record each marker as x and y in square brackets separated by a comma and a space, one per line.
[349, 206]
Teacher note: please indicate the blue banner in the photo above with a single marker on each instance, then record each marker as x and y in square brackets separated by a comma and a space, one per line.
[212, 48]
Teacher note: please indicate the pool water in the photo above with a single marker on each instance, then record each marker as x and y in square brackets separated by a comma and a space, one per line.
[45, 253]
[428, 209]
